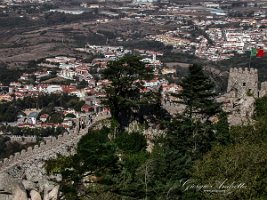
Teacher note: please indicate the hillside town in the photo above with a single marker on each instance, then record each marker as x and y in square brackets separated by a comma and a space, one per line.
[214, 30]
[73, 77]
[133, 99]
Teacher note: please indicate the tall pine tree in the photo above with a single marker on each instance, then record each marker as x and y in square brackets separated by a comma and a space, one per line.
[190, 135]
[198, 94]
[124, 96]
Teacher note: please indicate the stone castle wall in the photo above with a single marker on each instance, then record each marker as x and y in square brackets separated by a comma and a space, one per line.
[24, 139]
[51, 147]
[263, 90]
[242, 92]
[242, 82]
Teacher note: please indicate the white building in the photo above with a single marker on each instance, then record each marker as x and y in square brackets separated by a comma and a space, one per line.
[54, 89]
[67, 74]
[145, 1]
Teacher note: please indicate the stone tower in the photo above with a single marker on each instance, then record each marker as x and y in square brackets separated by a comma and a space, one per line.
[243, 82]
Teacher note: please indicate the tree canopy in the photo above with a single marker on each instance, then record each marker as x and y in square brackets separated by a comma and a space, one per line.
[198, 94]
[108, 165]
[118, 165]
[124, 95]
[189, 136]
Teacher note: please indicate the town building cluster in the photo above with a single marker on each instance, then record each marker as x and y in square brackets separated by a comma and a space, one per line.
[63, 76]
[214, 38]
[209, 30]
[213, 30]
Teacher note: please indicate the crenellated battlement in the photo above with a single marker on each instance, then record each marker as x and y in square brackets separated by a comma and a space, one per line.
[23, 139]
[245, 70]
[50, 147]
[243, 81]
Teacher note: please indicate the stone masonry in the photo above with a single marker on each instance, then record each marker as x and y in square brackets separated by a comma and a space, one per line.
[242, 82]
[64, 144]
[242, 91]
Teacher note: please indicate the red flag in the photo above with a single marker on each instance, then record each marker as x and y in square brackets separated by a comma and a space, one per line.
[260, 53]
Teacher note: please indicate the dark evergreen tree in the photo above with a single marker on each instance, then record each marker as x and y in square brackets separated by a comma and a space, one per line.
[126, 169]
[190, 135]
[111, 163]
[198, 94]
[195, 125]
[124, 95]
[222, 134]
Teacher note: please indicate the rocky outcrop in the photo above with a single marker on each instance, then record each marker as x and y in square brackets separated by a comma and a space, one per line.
[35, 195]
[11, 189]
[54, 193]
[240, 110]
[35, 184]
[29, 185]
[30, 188]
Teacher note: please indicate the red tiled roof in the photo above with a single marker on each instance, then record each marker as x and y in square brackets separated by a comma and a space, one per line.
[44, 116]
[69, 88]
[85, 106]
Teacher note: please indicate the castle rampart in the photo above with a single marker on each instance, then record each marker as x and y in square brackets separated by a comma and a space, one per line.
[50, 147]
[242, 82]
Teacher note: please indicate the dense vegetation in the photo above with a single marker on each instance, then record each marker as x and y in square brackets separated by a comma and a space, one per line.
[112, 163]
[181, 57]
[147, 44]
[50, 18]
[242, 163]
[8, 148]
[38, 132]
[125, 98]
[8, 75]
